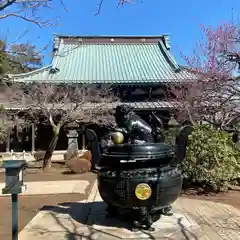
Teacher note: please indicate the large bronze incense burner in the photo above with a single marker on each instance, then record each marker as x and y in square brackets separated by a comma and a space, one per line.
[138, 179]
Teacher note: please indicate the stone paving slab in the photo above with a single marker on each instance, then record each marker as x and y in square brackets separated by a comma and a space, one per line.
[217, 220]
[53, 187]
[51, 224]
[63, 222]
[193, 220]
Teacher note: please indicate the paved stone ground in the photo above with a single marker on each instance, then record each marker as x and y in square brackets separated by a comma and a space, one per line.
[217, 220]
[62, 221]
[68, 221]
[29, 205]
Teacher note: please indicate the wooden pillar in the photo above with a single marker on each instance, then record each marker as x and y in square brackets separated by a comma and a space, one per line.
[8, 140]
[33, 138]
[150, 93]
[83, 139]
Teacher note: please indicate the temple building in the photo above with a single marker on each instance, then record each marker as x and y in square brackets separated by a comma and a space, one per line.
[138, 68]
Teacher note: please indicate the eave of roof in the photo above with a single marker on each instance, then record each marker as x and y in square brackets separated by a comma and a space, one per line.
[36, 75]
[143, 105]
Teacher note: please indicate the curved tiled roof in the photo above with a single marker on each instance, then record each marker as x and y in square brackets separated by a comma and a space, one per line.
[136, 105]
[111, 62]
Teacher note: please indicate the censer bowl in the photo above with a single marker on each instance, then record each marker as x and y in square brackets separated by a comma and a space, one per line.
[139, 178]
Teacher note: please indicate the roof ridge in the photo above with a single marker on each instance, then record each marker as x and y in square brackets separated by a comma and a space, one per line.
[112, 43]
[109, 36]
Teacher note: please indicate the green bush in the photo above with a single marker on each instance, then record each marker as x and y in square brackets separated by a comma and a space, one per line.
[212, 159]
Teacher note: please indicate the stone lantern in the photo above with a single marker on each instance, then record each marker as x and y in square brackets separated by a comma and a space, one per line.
[72, 135]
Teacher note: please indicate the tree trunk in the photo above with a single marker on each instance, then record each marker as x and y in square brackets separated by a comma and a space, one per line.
[48, 155]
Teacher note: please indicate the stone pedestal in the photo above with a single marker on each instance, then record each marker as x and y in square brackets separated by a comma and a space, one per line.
[179, 226]
[168, 227]
[72, 143]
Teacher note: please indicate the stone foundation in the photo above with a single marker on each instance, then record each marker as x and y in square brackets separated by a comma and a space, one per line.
[176, 227]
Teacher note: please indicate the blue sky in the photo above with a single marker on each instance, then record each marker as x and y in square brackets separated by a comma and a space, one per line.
[179, 19]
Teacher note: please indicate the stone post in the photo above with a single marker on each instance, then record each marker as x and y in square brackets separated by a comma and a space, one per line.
[72, 143]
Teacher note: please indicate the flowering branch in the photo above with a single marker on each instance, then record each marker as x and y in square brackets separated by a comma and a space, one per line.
[214, 93]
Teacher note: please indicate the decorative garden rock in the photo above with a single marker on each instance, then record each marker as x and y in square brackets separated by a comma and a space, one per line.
[81, 162]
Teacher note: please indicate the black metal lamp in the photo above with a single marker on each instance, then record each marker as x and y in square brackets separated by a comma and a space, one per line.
[14, 185]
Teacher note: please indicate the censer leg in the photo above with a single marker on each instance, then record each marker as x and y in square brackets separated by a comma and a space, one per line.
[167, 211]
[136, 226]
[146, 219]
[156, 216]
[150, 229]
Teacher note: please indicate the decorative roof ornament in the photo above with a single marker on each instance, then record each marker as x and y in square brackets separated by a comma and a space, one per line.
[54, 70]
[56, 43]
[167, 42]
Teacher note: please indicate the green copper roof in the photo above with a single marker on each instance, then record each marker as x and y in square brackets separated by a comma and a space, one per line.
[110, 63]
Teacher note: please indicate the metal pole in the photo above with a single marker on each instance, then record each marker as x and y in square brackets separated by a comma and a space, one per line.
[14, 216]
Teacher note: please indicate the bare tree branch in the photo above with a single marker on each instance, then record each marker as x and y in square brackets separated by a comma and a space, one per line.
[120, 3]
[29, 10]
[60, 105]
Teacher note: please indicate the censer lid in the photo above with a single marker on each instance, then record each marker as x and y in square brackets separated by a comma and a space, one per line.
[140, 149]
[159, 153]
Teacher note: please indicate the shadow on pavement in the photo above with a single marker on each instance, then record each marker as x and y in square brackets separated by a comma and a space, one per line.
[81, 213]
